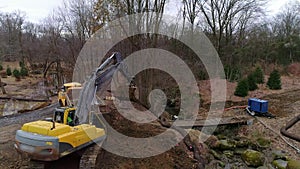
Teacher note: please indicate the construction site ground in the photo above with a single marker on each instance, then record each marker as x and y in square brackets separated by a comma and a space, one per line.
[285, 104]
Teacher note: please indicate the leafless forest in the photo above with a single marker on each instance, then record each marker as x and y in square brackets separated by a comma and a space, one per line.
[242, 31]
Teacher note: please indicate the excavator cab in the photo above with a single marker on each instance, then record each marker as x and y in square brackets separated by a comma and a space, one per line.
[65, 115]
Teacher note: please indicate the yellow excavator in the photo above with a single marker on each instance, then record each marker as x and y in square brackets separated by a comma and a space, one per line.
[69, 129]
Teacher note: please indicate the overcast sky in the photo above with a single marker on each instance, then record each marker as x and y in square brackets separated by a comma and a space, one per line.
[36, 10]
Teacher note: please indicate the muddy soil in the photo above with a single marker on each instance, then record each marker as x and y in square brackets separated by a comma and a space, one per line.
[177, 157]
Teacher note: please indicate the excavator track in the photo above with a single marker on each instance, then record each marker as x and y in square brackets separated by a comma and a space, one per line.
[89, 157]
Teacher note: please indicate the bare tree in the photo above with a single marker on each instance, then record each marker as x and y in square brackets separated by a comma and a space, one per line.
[191, 11]
[50, 32]
[228, 17]
[11, 32]
[287, 28]
[145, 20]
[77, 19]
[32, 45]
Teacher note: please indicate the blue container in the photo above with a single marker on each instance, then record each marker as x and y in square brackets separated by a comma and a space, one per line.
[257, 105]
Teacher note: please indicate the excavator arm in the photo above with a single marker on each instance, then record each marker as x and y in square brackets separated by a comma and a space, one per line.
[99, 82]
[106, 70]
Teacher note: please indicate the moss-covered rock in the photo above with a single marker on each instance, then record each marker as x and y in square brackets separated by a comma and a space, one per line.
[278, 154]
[237, 165]
[212, 142]
[226, 145]
[215, 164]
[194, 135]
[263, 142]
[268, 166]
[280, 164]
[221, 137]
[221, 164]
[228, 153]
[243, 143]
[293, 164]
[239, 151]
[253, 158]
[215, 154]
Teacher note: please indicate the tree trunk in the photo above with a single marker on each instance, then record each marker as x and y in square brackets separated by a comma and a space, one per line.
[47, 68]
[59, 70]
[2, 87]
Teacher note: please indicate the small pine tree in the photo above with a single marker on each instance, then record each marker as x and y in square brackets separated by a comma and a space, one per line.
[242, 88]
[259, 75]
[23, 72]
[21, 64]
[16, 73]
[8, 71]
[252, 82]
[1, 67]
[274, 81]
